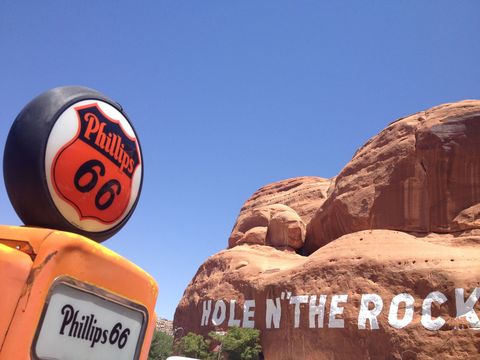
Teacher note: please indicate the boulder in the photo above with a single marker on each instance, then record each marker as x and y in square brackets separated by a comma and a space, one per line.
[299, 197]
[286, 230]
[276, 225]
[255, 235]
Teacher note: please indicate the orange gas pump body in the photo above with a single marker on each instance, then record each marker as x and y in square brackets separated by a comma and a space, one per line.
[32, 259]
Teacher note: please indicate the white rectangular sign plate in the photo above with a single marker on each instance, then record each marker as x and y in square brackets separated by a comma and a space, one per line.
[80, 324]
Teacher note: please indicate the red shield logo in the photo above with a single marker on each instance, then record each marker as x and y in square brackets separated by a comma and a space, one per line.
[94, 171]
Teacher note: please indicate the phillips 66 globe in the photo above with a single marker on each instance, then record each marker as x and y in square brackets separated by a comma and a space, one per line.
[73, 162]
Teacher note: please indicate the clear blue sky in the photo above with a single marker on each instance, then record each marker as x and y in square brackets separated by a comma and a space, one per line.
[227, 96]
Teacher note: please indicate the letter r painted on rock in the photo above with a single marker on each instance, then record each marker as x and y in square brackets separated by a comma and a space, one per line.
[366, 313]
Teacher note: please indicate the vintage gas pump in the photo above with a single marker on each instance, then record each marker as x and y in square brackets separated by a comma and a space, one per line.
[73, 169]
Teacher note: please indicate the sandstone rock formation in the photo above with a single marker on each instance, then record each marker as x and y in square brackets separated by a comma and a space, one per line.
[303, 194]
[164, 325]
[420, 175]
[393, 245]
[382, 262]
[277, 213]
[276, 225]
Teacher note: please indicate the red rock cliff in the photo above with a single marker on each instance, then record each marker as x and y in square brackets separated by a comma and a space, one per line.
[393, 246]
[420, 175]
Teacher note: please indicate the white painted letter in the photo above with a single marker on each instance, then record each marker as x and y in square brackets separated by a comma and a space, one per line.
[219, 313]
[333, 322]
[297, 300]
[367, 314]
[467, 309]
[427, 320]
[248, 322]
[207, 308]
[273, 312]
[316, 310]
[393, 313]
[231, 317]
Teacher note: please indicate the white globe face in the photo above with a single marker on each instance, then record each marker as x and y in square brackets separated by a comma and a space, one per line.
[93, 166]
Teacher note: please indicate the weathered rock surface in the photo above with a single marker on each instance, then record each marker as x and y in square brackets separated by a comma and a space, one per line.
[164, 325]
[303, 194]
[420, 175]
[276, 225]
[399, 224]
[296, 199]
[382, 262]
[286, 229]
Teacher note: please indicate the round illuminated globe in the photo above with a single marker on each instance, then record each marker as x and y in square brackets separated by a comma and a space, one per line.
[73, 162]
